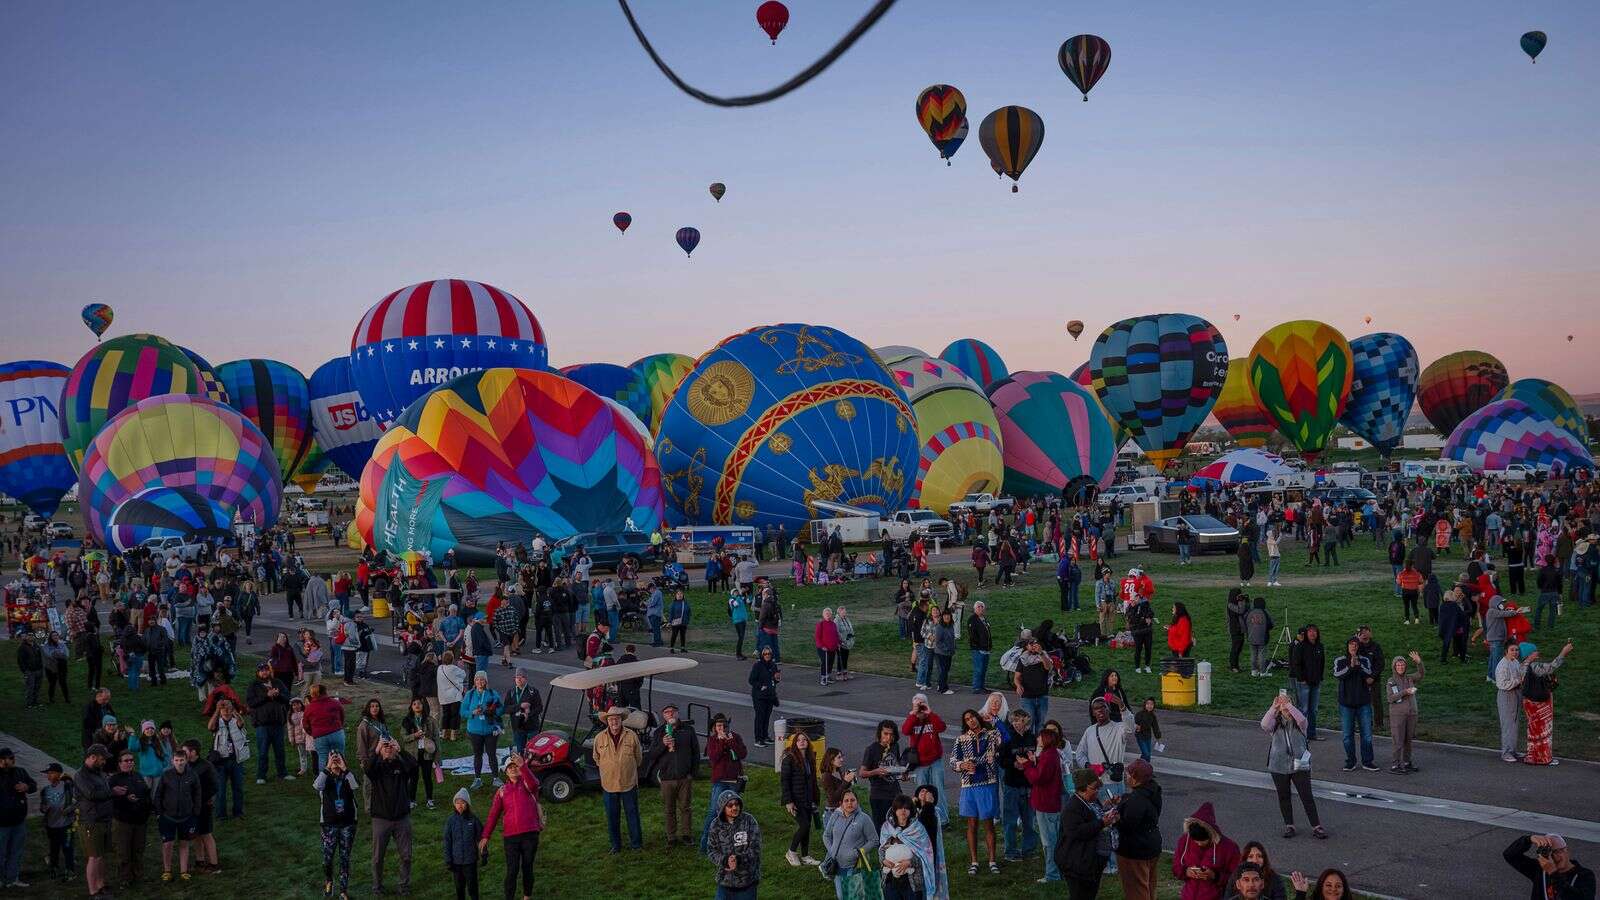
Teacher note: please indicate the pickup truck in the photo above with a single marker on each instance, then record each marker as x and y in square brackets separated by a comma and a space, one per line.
[1514, 472]
[187, 550]
[982, 504]
[907, 523]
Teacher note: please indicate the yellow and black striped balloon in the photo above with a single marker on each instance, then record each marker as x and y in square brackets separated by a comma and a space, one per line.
[1011, 136]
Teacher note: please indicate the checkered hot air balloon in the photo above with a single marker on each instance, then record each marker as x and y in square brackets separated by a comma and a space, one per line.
[1382, 389]
[1510, 431]
[115, 375]
[620, 383]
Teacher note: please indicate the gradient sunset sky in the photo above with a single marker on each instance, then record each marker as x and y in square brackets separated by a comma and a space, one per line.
[246, 179]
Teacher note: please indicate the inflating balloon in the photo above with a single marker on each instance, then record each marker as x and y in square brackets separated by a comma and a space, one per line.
[1236, 409]
[1240, 467]
[1011, 136]
[1057, 440]
[1300, 372]
[1509, 431]
[688, 239]
[717, 190]
[312, 467]
[422, 336]
[1533, 44]
[174, 465]
[942, 113]
[275, 397]
[978, 360]
[33, 465]
[772, 16]
[779, 418]
[1084, 58]
[622, 220]
[615, 382]
[1085, 378]
[341, 425]
[661, 374]
[1075, 328]
[115, 375]
[1383, 387]
[956, 429]
[1551, 401]
[1457, 385]
[210, 384]
[1159, 376]
[98, 317]
[501, 456]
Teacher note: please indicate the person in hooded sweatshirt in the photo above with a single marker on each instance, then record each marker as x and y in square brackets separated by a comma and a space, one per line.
[734, 847]
[1204, 857]
[1258, 628]
[1139, 832]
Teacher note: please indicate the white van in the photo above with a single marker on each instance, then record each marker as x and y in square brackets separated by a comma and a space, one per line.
[1434, 471]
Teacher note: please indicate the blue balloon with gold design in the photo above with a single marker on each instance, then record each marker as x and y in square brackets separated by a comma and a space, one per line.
[777, 419]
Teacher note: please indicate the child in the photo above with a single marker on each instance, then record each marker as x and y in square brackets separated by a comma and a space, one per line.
[461, 833]
[1146, 730]
[298, 739]
[58, 804]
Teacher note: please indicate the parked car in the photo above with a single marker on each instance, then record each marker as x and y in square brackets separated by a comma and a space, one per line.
[606, 550]
[982, 504]
[1209, 534]
[1123, 493]
[906, 523]
[35, 522]
[186, 549]
[59, 530]
[1342, 494]
[1516, 472]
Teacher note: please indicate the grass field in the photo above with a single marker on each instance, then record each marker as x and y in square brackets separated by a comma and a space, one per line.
[1456, 703]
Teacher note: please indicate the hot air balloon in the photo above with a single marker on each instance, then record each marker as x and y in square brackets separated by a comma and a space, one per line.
[1236, 409]
[177, 464]
[1075, 328]
[1236, 317]
[772, 16]
[98, 317]
[503, 455]
[1533, 44]
[276, 398]
[1300, 372]
[661, 373]
[1367, 319]
[618, 383]
[421, 336]
[942, 112]
[312, 467]
[717, 190]
[1084, 378]
[1456, 385]
[210, 385]
[956, 428]
[1569, 338]
[1551, 401]
[1011, 136]
[777, 419]
[1509, 431]
[688, 239]
[114, 375]
[1382, 389]
[342, 427]
[1159, 376]
[1058, 442]
[1084, 58]
[978, 360]
[33, 465]
[622, 220]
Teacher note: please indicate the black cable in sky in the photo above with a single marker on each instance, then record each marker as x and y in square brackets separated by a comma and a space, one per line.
[810, 72]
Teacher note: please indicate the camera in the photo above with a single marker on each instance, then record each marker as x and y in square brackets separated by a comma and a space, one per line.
[1545, 852]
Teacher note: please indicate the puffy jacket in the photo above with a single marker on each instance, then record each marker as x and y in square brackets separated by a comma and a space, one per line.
[516, 806]
[178, 794]
[461, 835]
[618, 760]
[798, 781]
[1220, 856]
[323, 716]
[924, 732]
[1139, 824]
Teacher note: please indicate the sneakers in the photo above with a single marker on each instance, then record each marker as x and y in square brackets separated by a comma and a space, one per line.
[792, 858]
[1369, 767]
[810, 861]
[1508, 757]
[261, 781]
[947, 691]
[166, 876]
[430, 804]
[759, 745]
[1349, 767]
[476, 784]
[288, 778]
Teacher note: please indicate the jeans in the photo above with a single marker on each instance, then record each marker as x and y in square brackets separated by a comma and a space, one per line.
[1349, 717]
[614, 616]
[1049, 827]
[1146, 745]
[1547, 600]
[980, 670]
[655, 631]
[229, 772]
[12, 838]
[269, 736]
[764, 639]
[1396, 579]
[1497, 650]
[184, 625]
[135, 666]
[325, 745]
[1037, 708]
[1014, 812]
[717, 787]
[338, 661]
[933, 774]
[1183, 558]
[1273, 562]
[728, 893]
[1308, 695]
[629, 801]
[924, 665]
[941, 665]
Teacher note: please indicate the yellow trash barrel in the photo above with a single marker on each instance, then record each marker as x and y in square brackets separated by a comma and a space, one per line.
[1179, 684]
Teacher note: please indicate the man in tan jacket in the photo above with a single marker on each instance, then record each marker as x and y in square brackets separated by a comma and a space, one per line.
[617, 754]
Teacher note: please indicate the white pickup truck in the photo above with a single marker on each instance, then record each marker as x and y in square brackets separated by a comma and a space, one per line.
[908, 523]
[982, 503]
[1514, 472]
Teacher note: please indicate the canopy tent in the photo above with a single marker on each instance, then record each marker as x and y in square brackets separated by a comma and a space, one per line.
[1238, 466]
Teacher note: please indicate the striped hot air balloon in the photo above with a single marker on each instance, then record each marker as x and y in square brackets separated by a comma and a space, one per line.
[1236, 409]
[1084, 58]
[1457, 385]
[960, 437]
[1011, 137]
[1057, 440]
[276, 398]
[981, 362]
[34, 467]
[1159, 376]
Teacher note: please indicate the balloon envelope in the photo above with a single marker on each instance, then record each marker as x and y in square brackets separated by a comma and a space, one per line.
[956, 429]
[311, 469]
[1382, 389]
[942, 113]
[177, 441]
[97, 316]
[504, 455]
[1551, 401]
[1533, 44]
[1509, 431]
[1084, 58]
[772, 16]
[341, 425]
[1159, 376]
[779, 417]
[1300, 372]
[112, 377]
[661, 373]
[1456, 385]
[1083, 377]
[1057, 441]
[622, 220]
[275, 397]
[688, 239]
[1238, 467]
[422, 336]
[1075, 328]
[1236, 409]
[717, 190]
[33, 465]
[615, 382]
[210, 385]
[977, 360]
[1011, 137]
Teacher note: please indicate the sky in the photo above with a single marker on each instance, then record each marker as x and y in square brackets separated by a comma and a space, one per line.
[247, 179]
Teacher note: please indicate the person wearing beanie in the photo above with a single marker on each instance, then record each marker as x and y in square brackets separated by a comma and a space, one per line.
[462, 832]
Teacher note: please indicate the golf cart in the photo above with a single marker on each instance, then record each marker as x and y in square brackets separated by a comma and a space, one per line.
[561, 760]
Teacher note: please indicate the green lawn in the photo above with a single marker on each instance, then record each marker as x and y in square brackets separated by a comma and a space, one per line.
[1457, 705]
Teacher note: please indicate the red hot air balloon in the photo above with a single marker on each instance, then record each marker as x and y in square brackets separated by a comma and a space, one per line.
[772, 16]
[622, 220]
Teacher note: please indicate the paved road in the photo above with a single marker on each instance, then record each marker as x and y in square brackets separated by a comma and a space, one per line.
[1435, 834]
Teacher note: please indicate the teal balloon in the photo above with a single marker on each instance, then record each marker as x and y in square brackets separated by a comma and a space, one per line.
[1057, 440]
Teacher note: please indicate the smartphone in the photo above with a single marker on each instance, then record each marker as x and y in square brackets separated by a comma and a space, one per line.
[1283, 692]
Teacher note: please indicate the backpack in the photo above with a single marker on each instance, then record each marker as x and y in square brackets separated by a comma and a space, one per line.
[1010, 661]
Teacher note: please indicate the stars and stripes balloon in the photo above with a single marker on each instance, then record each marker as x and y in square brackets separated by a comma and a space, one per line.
[1382, 389]
[341, 425]
[274, 396]
[422, 336]
[33, 465]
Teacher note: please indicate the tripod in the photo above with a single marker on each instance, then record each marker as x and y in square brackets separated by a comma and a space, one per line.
[1280, 647]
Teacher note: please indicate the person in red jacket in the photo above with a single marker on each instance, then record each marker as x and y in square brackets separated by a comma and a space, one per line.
[1135, 587]
[923, 726]
[826, 637]
[726, 753]
[1180, 634]
[323, 721]
[1204, 857]
[1043, 771]
[516, 805]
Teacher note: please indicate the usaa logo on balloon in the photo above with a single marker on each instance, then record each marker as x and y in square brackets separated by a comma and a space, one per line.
[346, 416]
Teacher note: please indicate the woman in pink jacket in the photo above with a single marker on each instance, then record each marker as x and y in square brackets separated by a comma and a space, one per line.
[826, 637]
[516, 805]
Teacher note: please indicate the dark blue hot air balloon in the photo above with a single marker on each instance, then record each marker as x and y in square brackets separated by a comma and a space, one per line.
[341, 423]
[1383, 388]
[688, 239]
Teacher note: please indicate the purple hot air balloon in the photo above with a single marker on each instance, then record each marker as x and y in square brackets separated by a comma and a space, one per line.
[688, 239]
[622, 220]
